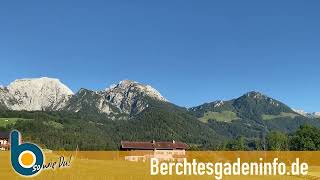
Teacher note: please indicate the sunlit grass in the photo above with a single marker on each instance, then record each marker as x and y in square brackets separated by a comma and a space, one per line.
[225, 116]
[4, 122]
[281, 115]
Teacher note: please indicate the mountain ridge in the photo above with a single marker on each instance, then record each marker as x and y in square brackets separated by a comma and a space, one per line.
[15, 96]
[50, 94]
[133, 111]
[307, 114]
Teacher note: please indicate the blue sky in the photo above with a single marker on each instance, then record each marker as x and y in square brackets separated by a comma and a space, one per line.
[191, 51]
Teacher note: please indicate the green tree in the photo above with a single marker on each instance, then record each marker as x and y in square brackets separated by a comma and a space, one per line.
[277, 141]
[307, 138]
[238, 144]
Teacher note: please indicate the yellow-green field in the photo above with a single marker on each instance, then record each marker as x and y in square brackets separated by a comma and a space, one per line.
[283, 114]
[10, 121]
[225, 116]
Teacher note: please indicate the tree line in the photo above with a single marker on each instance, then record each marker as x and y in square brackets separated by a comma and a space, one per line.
[306, 138]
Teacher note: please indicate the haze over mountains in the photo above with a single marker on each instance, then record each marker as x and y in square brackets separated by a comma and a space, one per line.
[133, 111]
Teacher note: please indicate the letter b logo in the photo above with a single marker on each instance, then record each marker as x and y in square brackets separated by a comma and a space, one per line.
[25, 156]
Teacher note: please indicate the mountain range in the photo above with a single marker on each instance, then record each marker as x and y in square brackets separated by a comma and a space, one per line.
[307, 114]
[50, 94]
[45, 107]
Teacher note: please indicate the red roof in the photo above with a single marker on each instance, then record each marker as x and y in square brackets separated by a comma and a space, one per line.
[153, 145]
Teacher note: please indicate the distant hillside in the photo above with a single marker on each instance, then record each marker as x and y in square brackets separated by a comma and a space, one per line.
[252, 115]
[93, 131]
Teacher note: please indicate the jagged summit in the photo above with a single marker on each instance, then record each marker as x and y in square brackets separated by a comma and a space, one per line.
[255, 94]
[128, 82]
[261, 98]
[126, 86]
[34, 94]
[126, 98]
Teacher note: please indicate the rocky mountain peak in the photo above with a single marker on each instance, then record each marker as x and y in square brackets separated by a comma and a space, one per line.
[127, 82]
[34, 94]
[38, 94]
[258, 96]
[218, 103]
[255, 94]
[125, 98]
[127, 86]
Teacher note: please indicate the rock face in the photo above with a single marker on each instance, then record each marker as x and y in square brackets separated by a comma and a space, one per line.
[6, 98]
[127, 97]
[36, 94]
[90, 101]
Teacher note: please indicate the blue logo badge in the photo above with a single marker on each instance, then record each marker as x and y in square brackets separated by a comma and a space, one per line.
[26, 158]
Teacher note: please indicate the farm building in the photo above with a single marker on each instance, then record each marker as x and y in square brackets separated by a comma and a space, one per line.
[4, 141]
[142, 151]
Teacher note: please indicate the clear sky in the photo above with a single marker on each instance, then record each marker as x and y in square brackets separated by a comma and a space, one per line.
[191, 51]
